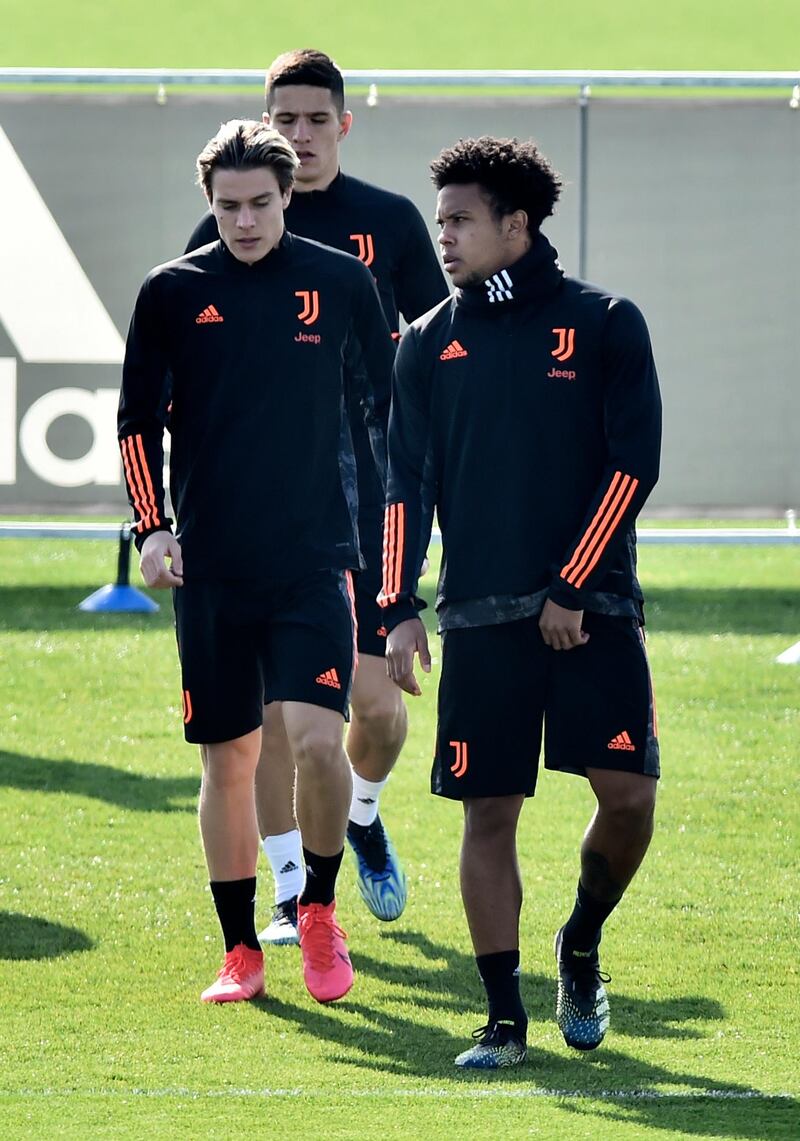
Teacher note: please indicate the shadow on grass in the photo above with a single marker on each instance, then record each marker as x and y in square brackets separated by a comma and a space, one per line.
[56, 608]
[28, 937]
[732, 610]
[730, 1112]
[626, 1088]
[454, 985]
[100, 782]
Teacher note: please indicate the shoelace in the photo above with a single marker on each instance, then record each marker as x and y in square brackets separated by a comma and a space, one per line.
[285, 911]
[373, 848]
[586, 981]
[317, 942]
[236, 968]
[491, 1032]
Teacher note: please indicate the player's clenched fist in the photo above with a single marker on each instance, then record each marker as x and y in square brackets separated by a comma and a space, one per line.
[161, 562]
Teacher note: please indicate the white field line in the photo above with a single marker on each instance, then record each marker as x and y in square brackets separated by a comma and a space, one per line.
[442, 1094]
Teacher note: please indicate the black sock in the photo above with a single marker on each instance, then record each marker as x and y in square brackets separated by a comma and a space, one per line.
[500, 976]
[583, 929]
[235, 902]
[321, 873]
[358, 830]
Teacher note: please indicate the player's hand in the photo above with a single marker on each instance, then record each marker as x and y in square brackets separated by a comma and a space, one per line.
[156, 550]
[561, 628]
[403, 642]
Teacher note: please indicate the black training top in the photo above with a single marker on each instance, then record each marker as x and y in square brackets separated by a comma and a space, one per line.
[527, 410]
[387, 233]
[382, 229]
[262, 472]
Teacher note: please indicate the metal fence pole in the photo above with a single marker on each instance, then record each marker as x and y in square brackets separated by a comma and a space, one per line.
[583, 179]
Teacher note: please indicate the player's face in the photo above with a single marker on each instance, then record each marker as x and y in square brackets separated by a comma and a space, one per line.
[308, 119]
[248, 206]
[473, 243]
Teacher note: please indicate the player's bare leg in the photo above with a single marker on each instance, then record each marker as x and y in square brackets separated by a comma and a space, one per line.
[613, 848]
[277, 825]
[227, 807]
[379, 720]
[491, 888]
[374, 742]
[324, 787]
[491, 885]
[229, 831]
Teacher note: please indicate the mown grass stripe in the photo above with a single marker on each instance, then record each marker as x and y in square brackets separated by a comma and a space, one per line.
[323, 1094]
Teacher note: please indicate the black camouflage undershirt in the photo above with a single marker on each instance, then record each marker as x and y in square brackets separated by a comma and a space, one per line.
[497, 609]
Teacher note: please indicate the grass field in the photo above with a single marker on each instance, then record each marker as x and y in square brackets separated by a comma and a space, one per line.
[643, 34]
[107, 931]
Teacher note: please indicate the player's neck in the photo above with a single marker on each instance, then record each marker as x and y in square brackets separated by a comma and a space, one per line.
[318, 184]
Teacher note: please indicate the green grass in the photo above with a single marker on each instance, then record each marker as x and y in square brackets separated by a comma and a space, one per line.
[642, 34]
[107, 931]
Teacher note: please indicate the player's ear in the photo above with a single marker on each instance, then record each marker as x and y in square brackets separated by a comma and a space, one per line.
[345, 123]
[517, 223]
[265, 118]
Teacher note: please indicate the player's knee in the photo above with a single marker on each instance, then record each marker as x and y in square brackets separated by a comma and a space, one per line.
[274, 745]
[383, 719]
[632, 804]
[317, 749]
[490, 819]
[230, 764]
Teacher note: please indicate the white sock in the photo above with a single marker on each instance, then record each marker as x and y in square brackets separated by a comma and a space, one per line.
[366, 795]
[285, 855]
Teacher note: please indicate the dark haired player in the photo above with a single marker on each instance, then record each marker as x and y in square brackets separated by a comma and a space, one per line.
[254, 331]
[527, 409]
[305, 102]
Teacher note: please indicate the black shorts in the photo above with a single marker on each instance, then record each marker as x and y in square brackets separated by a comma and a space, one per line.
[243, 646]
[371, 632]
[501, 685]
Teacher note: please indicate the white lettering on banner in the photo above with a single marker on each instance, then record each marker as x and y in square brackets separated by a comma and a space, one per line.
[8, 420]
[47, 304]
[101, 464]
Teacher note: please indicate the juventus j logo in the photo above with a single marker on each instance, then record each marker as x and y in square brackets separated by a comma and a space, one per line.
[310, 311]
[566, 344]
[461, 763]
[366, 250]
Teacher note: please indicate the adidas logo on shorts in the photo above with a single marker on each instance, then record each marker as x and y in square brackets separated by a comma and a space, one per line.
[329, 677]
[622, 741]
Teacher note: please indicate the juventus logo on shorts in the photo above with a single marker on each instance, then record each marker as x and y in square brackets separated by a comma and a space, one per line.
[461, 763]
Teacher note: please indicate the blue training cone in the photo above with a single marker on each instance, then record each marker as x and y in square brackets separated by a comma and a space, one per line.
[119, 598]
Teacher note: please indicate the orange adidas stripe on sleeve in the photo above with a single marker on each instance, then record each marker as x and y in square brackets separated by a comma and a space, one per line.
[619, 507]
[135, 484]
[393, 546]
[581, 547]
[137, 476]
[600, 530]
[388, 551]
[401, 534]
[156, 522]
